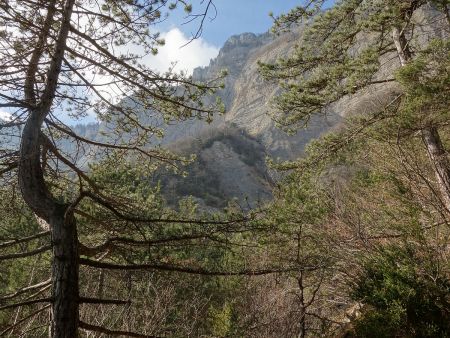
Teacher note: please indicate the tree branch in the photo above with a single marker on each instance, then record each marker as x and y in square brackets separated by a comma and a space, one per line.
[26, 289]
[188, 270]
[135, 219]
[90, 327]
[16, 324]
[87, 300]
[26, 254]
[24, 239]
[28, 302]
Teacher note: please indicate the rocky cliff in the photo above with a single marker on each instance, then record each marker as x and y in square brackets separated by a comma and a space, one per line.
[248, 97]
[231, 151]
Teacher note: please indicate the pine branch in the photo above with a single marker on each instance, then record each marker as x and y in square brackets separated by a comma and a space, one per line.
[131, 218]
[188, 270]
[90, 327]
[24, 239]
[28, 302]
[26, 254]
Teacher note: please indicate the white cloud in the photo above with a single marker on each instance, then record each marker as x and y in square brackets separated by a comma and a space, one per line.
[5, 116]
[187, 56]
[178, 49]
[197, 53]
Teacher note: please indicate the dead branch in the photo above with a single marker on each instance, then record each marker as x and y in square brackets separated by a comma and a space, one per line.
[90, 327]
[26, 289]
[24, 239]
[26, 254]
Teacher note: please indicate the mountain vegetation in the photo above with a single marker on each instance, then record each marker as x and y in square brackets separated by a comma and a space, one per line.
[237, 229]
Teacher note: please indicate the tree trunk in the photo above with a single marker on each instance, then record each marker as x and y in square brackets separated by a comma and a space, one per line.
[302, 333]
[430, 135]
[440, 162]
[401, 45]
[65, 268]
[63, 230]
[34, 190]
[302, 305]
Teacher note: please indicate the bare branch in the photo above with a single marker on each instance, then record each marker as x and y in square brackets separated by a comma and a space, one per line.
[28, 302]
[90, 327]
[26, 289]
[26, 254]
[19, 322]
[24, 239]
[87, 300]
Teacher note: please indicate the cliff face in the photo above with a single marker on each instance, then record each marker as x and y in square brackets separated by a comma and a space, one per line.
[229, 166]
[222, 159]
[247, 123]
[248, 97]
[231, 151]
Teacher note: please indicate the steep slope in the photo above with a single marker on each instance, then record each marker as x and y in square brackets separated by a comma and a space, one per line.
[229, 166]
[231, 150]
[247, 96]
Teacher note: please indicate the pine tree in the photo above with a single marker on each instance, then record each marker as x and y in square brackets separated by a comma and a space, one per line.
[340, 53]
[80, 57]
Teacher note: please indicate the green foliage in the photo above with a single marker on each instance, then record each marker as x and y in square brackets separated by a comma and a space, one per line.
[339, 53]
[16, 221]
[406, 293]
[220, 320]
[426, 81]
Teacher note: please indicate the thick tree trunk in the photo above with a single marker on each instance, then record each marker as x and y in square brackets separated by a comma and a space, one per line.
[63, 229]
[440, 162]
[65, 267]
[65, 294]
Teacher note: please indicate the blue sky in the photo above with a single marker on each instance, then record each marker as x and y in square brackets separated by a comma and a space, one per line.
[233, 17]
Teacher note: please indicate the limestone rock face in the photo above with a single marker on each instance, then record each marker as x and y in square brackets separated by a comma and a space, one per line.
[247, 96]
[240, 180]
[231, 151]
[230, 166]
[222, 146]
[232, 57]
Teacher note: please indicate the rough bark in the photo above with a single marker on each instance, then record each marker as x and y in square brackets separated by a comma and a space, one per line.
[63, 232]
[65, 268]
[65, 265]
[439, 159]
[400, 45]
[430, 134]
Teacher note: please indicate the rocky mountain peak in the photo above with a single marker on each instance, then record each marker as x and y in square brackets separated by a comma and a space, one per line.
[233, 54]
[244, 40]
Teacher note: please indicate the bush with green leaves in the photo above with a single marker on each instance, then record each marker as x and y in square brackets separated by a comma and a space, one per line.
[405, 293]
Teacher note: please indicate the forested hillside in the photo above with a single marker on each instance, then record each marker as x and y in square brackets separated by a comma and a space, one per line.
[303, 192]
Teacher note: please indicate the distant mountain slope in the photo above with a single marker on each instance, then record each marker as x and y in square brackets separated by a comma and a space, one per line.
[231, 150]
[247, 96]
[230, 165]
